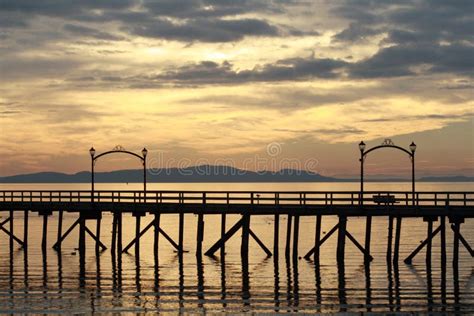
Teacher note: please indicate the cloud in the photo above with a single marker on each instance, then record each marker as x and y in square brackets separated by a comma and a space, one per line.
[206, 30]
[80, 30]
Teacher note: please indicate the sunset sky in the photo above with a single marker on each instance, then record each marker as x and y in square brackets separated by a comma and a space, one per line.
[204, 81]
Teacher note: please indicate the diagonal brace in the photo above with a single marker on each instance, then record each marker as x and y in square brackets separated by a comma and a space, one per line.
[95, 238]
[326, 237]
[260, 243]
[161, 231]
[60, 240]
[359, 246]
[18, 240]
[464, 242]
[224, 239]
[423, 244]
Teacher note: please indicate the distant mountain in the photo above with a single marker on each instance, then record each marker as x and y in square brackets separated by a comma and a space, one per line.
[203, 173]
[447, 179]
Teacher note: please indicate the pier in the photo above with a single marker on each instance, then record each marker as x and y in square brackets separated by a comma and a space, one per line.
[436, 209]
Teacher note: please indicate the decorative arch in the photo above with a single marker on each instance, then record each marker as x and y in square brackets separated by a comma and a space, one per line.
[116, 150]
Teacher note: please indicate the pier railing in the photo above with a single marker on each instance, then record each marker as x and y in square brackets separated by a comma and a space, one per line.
[424, 198]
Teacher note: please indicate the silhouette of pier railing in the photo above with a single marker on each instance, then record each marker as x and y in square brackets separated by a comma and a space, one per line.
[396, 205]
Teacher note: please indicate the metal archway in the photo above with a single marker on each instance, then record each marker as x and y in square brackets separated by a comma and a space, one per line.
[387, 143]
[115, 150]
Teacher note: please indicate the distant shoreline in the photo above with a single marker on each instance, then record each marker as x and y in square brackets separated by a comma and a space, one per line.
[209, 174]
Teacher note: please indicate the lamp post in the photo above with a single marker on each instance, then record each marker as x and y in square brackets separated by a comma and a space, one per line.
[412, 149]
[362, 149]
[92, 153]
[144, 153]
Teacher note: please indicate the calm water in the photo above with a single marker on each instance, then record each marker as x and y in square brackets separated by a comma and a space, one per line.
[52, 283]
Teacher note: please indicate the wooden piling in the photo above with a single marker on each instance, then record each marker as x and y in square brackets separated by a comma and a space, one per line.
[288, 236]
[45, 233]
[296, 232]
[368, 233]
[341, 239]
[119, 234]
[389, 238]
[456, 228]
[200, 234]
[276, 235]
[181, 232]
[97, 234]
[11, 230]
[156, 234]
[429, 243]
[244, 248]
[443, 240]
[114, 233]
[137, 236]
[82, 240]
[60, 230]
[398, 231]
[25, 230]
[317, 238]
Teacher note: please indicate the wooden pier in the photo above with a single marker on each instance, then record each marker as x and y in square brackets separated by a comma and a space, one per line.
[443, 207]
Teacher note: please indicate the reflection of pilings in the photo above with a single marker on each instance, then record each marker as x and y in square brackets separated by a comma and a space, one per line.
[396, 275]
[457, 306]
[200, 280]
[341, 287]
[98, 277]
[223, 282]
[245, 281]
[390, 286]
[181, 280]
[276, 285]
[296, 294]
[368, 287]
[60, 271]
[289, 284]
[317, 276]
[45, 275]
[429, 285]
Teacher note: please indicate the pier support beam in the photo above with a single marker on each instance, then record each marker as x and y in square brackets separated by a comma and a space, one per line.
[409, 259]
[200, 234]
[368, 234]
[25, 230]
[60, 229]
[276, 235]
[45, 233]
[326, 237]
[389, 239]
[288, 235]
[296, 232]
[341, 239]
[244, 246]
[154, 223]
[396, 247]
[317, 238]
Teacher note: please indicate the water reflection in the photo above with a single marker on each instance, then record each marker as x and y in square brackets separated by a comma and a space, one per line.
[333, 289]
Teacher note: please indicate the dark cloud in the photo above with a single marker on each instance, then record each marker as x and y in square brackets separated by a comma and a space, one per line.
[402, 60]
[398, 118]
[206, 30]
[80, 30]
